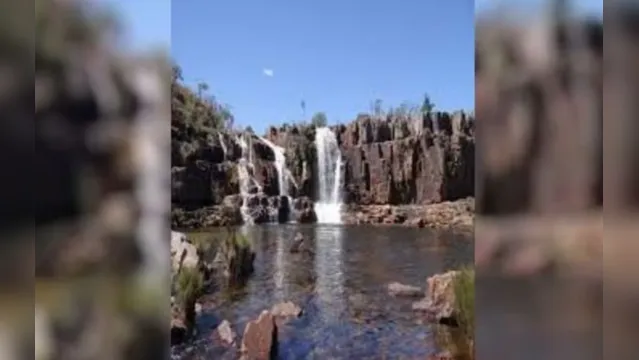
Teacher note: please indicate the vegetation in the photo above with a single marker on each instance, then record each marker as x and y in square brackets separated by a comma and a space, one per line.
[319, 119]
[237, 256]
[460, 340]
[405, 109]
[189, 285]
[196, 110]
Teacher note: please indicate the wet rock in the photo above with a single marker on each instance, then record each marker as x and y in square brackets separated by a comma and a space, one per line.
[225, 332]
[179, 331]
[259, 341]
[298, 241]
[286, 309]
[416, 222]
[403, 290]
[439, 303]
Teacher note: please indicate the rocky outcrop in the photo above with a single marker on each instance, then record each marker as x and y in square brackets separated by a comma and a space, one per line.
[457, 215]
[439, 303]
[408, 160]
[387, 161]
[188, 276]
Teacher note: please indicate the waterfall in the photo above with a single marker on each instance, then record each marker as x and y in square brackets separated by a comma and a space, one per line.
[245, 179]
[280, 166]
[329, 163]
[222, 144]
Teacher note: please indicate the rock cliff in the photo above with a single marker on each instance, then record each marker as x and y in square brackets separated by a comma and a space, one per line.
[386, 161]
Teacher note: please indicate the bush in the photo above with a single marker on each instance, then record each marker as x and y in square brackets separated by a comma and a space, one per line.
[189, 285]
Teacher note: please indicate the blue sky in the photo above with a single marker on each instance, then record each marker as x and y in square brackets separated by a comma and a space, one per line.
[264, 57]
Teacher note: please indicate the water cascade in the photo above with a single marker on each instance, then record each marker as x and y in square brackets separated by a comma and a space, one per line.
[280, 166]
[329, 163]
[222, 144]
[245, 179]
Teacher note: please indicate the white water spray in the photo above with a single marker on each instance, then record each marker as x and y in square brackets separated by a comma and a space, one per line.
[329, 163]
[280, 166]
[245, 180]
[222, 143]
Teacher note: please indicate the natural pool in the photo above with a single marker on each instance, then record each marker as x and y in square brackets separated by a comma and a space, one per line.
[342, 288]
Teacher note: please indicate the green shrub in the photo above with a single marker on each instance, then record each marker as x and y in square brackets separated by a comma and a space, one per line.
[189, 285]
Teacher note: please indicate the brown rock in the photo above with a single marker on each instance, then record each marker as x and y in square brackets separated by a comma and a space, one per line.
[397, 289]
[422, 161]
[286, 309]
[438, 305]
[260, 338]
[225, 332]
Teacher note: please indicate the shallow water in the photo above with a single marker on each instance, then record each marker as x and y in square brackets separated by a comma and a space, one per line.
[341, 288]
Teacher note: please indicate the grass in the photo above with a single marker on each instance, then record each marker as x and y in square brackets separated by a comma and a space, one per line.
[189, 285]
[460, 341]
[203, 241]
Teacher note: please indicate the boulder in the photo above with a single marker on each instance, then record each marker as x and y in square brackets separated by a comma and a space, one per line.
[183, 253]
[439, 303]
[225, 332]
[259, 341]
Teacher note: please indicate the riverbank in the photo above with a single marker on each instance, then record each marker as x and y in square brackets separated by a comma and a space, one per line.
[450, 215]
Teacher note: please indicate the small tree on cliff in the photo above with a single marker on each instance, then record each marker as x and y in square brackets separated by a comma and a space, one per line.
[427, 105]
[319, 119]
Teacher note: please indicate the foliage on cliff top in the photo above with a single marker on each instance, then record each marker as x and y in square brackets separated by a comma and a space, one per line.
[196, 111]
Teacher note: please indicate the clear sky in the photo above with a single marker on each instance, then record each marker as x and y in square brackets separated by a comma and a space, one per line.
[264, 57]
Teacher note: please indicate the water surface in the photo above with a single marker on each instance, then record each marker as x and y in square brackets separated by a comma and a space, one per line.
[341, 287]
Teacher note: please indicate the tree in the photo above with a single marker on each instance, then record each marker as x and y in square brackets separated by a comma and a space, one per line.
[177, 73]
[201, 89]
[427, 105]
[319, 119]
[249, 129]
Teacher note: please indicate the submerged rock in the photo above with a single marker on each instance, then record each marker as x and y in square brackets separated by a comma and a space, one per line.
[259, 341]
[225, 332]
[286, 309]
[397, 289]
[298, 241]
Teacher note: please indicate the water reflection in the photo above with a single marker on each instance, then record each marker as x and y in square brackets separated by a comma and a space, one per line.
[329, 269]
[279, 272]
[341, 284]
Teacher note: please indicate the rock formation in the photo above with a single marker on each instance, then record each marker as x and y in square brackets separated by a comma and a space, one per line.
[387, 161]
